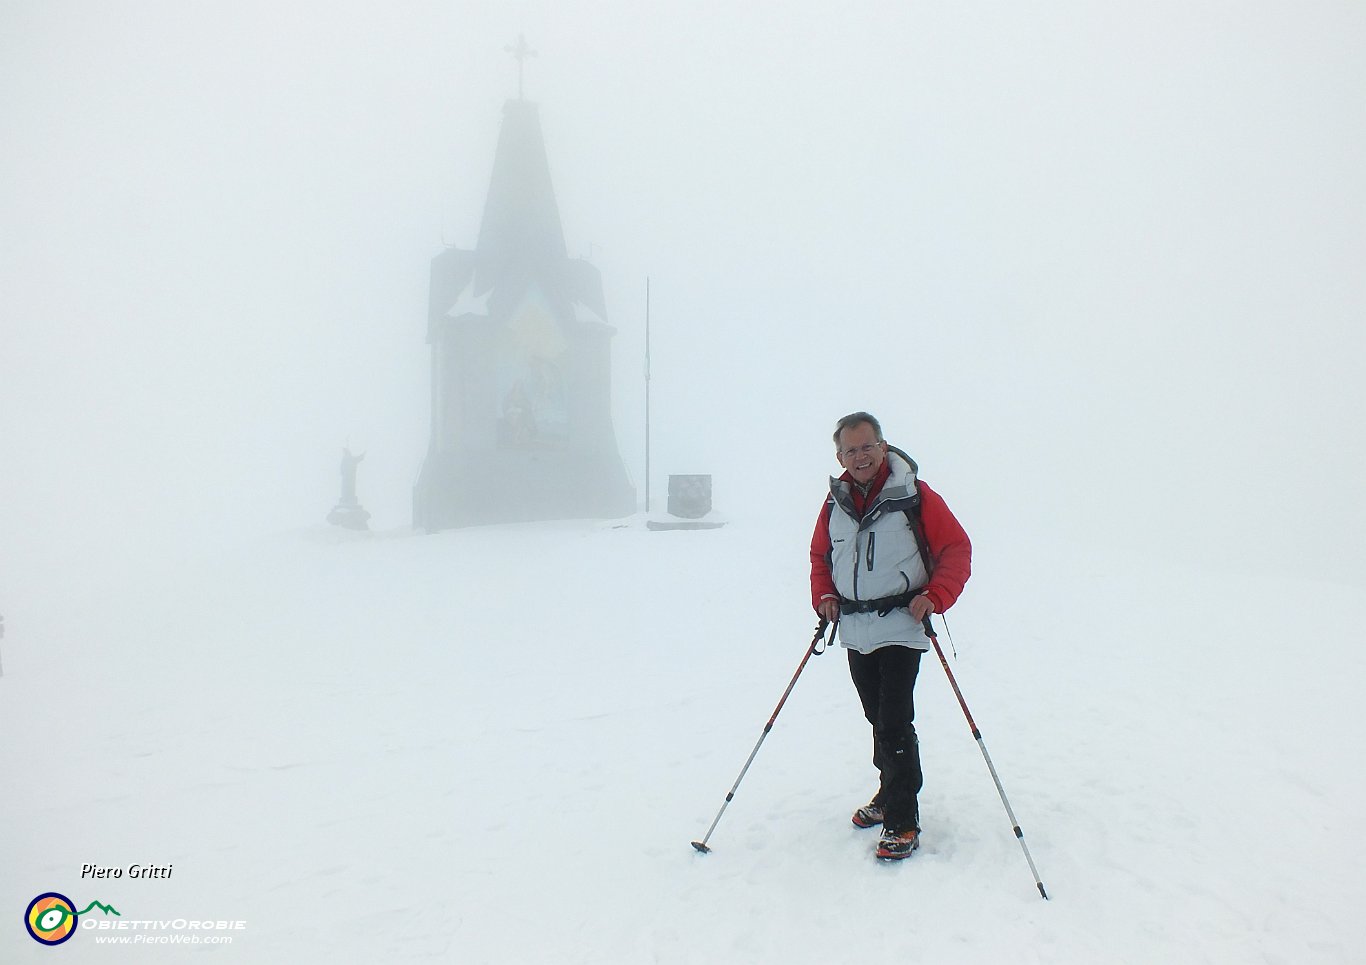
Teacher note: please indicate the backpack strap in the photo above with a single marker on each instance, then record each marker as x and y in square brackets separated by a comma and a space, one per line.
[917, 526]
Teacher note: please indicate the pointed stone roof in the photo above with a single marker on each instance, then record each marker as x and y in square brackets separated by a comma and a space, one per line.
[521, 219]
[520, 253]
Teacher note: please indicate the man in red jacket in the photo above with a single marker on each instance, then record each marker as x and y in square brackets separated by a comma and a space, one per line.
[886, 553]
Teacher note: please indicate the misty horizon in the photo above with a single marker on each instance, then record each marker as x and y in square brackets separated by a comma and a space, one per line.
[1113, 255]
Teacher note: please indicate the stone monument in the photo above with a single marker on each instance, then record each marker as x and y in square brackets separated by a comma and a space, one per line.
[348, 512]
[521, 422]
[689, 504]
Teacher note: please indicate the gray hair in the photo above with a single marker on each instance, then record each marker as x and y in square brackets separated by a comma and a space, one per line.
[857, 419]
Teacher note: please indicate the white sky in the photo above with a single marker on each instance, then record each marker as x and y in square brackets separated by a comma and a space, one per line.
[1095, 264]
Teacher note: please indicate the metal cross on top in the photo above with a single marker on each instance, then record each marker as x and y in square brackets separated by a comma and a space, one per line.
[520, 53]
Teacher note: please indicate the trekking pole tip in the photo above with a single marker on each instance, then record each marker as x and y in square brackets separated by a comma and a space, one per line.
[703, 849]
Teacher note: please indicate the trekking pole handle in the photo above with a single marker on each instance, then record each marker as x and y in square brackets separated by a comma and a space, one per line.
[818, 643]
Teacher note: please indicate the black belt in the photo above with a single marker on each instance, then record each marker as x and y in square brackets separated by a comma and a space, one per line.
[883, 605]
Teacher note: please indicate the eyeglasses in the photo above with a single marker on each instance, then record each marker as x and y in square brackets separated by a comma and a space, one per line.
[860, 450]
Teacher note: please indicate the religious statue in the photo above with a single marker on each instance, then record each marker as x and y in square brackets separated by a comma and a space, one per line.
[348, 474]
[348, 511]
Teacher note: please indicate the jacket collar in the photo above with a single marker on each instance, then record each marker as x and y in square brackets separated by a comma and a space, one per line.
[898, 490]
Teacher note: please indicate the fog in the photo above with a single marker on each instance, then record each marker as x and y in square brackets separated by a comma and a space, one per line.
[1098, 267]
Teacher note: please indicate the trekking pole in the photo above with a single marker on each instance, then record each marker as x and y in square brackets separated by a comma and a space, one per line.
[977, 735]
[818, 639]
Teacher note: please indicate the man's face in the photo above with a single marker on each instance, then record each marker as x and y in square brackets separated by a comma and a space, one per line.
[860, 452]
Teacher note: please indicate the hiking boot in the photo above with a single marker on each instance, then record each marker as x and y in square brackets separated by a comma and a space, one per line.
[895, 845]
[868, 816]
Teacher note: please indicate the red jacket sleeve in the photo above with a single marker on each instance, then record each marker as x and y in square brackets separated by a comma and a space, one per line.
[950, 550]
[822, 583]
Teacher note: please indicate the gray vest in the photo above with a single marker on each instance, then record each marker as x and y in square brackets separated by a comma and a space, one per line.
[877, 558]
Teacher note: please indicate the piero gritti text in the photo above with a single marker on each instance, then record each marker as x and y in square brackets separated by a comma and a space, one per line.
[132, 871]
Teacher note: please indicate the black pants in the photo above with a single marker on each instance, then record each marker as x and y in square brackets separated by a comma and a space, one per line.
[885, 680]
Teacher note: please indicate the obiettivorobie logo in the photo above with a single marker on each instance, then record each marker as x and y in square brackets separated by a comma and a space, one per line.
[51, 918]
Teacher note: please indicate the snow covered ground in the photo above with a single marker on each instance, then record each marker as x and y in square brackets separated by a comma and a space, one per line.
[494, 745]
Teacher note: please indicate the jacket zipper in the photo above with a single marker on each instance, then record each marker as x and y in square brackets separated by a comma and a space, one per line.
[871, 537]
[856, 536]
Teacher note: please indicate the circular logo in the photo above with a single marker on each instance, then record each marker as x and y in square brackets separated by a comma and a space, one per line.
[50, 918]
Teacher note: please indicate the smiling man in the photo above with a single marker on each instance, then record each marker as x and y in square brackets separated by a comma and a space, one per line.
[886, 553]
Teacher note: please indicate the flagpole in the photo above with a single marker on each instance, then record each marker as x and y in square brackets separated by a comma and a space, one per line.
[647, 395]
